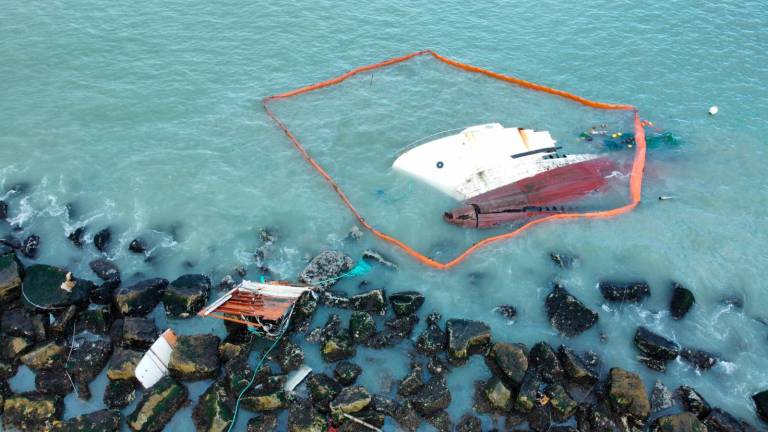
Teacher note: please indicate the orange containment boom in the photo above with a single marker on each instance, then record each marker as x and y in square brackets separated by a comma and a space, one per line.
[266, 302]
[636, 174]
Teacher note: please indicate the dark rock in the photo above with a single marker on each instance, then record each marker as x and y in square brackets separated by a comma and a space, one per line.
[185, 296]
[539, 419]
[123, 364]
[53, 382]
[528, 395]
[562, 260]
[346, 373]
[87, 359]
[361, 326]
[213, 412]
[509, 362]
[633, 292]
[119, 393]
[98, 421]
[436, 366]
[267, 395]
[407, 417]
[14, 346]
[576, 369]
[302, 312]
[227, 283]
[289, 356]
[375, 256]
[372, 301]
[334, 300]
[661, 397]
[682, 300]
[469, 423]
[10, 242]
[350, 400]
[406, 302]
[76, 236]
[339, 347]
[567, 314]
[18, 322]
[683, 422]
[302, 417]
[563, 405]
[262, 423]
[761, 404]
[692, 401]
[507, 311]
[116, 332]
[158, 406]
[138, 333]
[104, 293]
[331, 328]
[64, 323]
[543, 358]
[441, 421]
[141, 298]
[11, 271]
[30, 246]
[413, 382]
[400, 327]
[31, 411]
[465, 338]
[498, 395]
[3, 210]
[322, 390]
[433, 339]
[433, 396]
[137, 246]
[195, 357]
[383, 404]
[44, 356]
[325, 268]
[655, 350]
[232, 348]
[590, 418]
[627, 397]
[96, 319]
[8, 369]
[101, 239]
[720, 421]
[42, 285]
[105, 269]
[702, 360]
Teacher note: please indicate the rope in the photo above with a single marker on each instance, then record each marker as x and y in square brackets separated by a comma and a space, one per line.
[360, 269]
[37, 305]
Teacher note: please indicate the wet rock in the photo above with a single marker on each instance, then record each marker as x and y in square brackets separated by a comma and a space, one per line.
[262, 423]
[575, 368]
[76, 236]
[267, 395]
[138, 333]
[339, 347]
[289, 356]
[632, 292]
[29, 246]
[692, 401]
[213, 412]
[683, 422]
[406, 302]
[15, 346]
[469, 423]
[377, 257]
[31, 411]
[64, 323]
[498, 395]
[87, 360]
[334, 300]
[627, 397]
[561, 260]
[331, 328]
[720, 421]
[302, 417]
[433, 396]
[8, 369]
[591, 418]
[350, 400]
[441, 421]
[158, 406]
[465, 338]
[661, 397]
[761, 404]
[101, 239]
[98, 421]
[436, 366]
[539, 419]
[413, 382]
[563, 405]
[104, 294]
[702, 360]
[137, 246]
[346, 373]
[105, 269]
[10, 242]
[232, 348]
[302, 312]
[116, 332]
[42, 285]
[322, 390]
[44, 356]
[433, 339]
[185, 296]
[682, 300]
[655, 350]
[372, 301]
[407, 417]
[227, 283]
[10, 278]
[3, 210]
[509, 362]
[543, 358]
[123, 364]
[119, 393]
[96, 319]
[400, 327]
[18, 322]
[567, 314]
[195, 357]
[361, 326]
[528, 394]
[507, 311]
[53, 382]
[325, 268]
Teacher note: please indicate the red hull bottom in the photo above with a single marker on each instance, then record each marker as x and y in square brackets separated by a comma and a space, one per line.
[536, 196]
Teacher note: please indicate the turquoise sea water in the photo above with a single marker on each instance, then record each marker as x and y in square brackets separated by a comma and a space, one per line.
[146, 117]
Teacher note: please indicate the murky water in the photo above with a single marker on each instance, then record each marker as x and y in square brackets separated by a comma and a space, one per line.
[146, 118]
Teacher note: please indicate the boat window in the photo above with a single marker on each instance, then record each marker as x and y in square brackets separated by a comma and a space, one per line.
[440, 164]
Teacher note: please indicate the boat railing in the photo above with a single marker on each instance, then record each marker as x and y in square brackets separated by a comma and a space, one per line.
[422, 140]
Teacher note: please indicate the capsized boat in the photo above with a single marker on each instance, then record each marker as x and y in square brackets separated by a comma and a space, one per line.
[502, 175]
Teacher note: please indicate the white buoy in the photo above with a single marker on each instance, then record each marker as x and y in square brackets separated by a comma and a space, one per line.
[713, 110]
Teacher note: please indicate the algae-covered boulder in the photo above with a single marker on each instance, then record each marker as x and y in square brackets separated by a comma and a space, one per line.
[11, 347]
[406, 302]
[158, 405]
[681, 302]
[96, 319]
[11, 271]
[627, 396]
[266, 422]
[498, 394]
[195, 357]
[563, 405]
[44, 356]
[433, 339]
[361, 326]
[123, 364]
[567, 314]
[213, 413]
[543, 359]
[351, 400]
[289, 356]
[346, 373]
[31, 411]
[412, 382]
[529, 388]
[42, 286]
[119, 393]
[433, 396]
[267, 395]
[338, 348]
[322, 390]
[99, 421]
[185, 296]
[19, 322]
[682, 422]
[302, 417]
[138, 333]
[509, 361]
[325, 268]
[373, 301]
[574, 366]
[88, 360]
[53, 382]
[466, 337]
[139, 299]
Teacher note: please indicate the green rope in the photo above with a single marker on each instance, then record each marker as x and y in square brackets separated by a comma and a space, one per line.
[360, 269]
